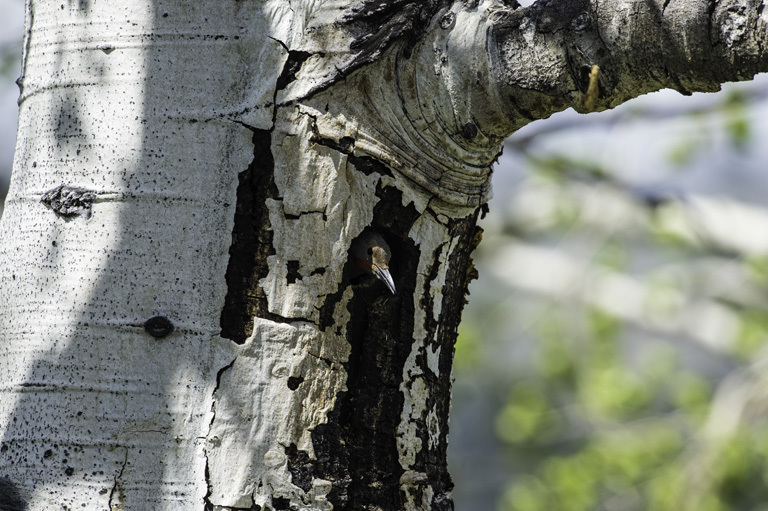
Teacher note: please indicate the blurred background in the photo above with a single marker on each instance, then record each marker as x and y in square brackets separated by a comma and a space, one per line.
[613, 352]
[613, 355]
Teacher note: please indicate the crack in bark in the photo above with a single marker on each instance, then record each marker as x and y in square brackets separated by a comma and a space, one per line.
[219, 375]
[117, 487]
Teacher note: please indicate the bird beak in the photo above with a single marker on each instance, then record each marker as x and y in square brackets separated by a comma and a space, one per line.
[384, 276]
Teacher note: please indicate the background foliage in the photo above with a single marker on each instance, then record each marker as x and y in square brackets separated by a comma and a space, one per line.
[615, 342]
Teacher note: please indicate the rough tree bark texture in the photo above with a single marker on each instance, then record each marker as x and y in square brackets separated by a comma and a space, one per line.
[180, 328]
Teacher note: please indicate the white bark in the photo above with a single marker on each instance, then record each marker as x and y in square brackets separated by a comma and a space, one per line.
[232, 159]
[95, 412]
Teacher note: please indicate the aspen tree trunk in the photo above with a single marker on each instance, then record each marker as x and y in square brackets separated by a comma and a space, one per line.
[181, 328]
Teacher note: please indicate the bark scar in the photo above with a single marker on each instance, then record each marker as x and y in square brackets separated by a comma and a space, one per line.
[69, 201]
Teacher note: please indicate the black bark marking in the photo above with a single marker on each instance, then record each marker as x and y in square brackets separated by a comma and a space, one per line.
[292, 66]
[158, 327]
[69, 201]
[251, 244]
[376, 25]
[345, 145]
[293, 272]
[461, 271]
[294, 382]
[329, 305]
[281, 503]
[300, 467]
[469, 130]
[447, 21]
[368, 165]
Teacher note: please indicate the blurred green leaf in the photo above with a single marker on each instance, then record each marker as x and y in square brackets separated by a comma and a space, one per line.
[604, 328]
[467, 348]
[561, 166]
[620, 467]
[697, 139]
[685, 151]
[528, 494]
[527, 416]
[737, 123]
[757, 267]
[661, 364]
[613, 392]
[665, 491]
[692, 394]
[554, 359]
[572, 484]
[664, 297]
[612, 255]
[753, 332]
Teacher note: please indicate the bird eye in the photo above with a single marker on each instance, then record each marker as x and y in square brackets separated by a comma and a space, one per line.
[370, 251]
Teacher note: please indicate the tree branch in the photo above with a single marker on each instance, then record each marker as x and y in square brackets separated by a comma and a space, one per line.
[542, 55]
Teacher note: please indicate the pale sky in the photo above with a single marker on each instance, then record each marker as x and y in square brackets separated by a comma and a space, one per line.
[11, 29]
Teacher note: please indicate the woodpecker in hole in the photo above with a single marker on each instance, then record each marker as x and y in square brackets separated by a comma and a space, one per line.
[371, 254]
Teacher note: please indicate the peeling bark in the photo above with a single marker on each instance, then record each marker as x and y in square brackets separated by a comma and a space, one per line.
[251, 244]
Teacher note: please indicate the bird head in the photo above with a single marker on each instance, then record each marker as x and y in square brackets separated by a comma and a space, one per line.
[371, 254]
